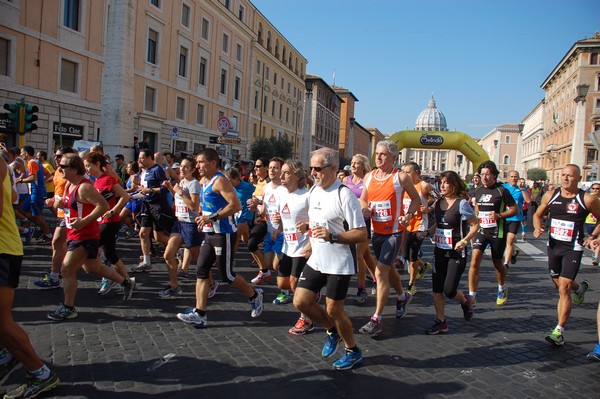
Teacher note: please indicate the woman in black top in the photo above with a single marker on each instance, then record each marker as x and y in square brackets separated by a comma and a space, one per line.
[455, 224]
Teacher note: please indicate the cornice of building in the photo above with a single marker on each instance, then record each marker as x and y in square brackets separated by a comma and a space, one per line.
[343, 91]
[580, 45]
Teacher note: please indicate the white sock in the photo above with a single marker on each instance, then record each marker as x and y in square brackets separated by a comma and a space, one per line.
[42, 373]
[146, 259]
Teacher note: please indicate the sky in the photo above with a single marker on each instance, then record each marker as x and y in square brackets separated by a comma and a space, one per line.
[483, 60]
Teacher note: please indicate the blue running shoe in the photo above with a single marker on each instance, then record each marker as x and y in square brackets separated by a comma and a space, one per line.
[595, 354]
[349, 360]
[331, 345]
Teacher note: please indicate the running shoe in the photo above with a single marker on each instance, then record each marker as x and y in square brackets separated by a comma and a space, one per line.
[467, 308]
[556, 337]
[331, 345]
[63, 313]
[47, 283]
[261, 277]
[33, 386]
[182, 273]
[170, 293]
[213, 289]
[7, 368]
[28, 235]
[372, 328]
[190, 316]
[361, 296]
[302, 327]
[349, 360]
[142, 267]
[37, 234]
[282, 298]
[513, 258]
[105, 286]
[128, 287]
[523, 237]
[412, 289]
[402, 305]
[423, 270]
[257, 303]
[595, 354]
[45, 239]
[595, 261]
[502, 296]
[578, 298]
[438, 327]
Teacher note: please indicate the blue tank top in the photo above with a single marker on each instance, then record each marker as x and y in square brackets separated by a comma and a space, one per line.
[213, 202]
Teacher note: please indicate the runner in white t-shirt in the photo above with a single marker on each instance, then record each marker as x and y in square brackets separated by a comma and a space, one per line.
[336, 224]
[293, 209]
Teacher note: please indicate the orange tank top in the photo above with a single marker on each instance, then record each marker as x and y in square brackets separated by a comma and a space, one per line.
[385, 201]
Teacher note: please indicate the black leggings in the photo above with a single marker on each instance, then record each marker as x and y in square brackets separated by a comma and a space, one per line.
[446, 274]
[257, 235]
[108, 240]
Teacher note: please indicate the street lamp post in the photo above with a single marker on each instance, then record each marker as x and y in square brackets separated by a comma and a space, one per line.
[496, 153]
[350, 140]
[577, 151]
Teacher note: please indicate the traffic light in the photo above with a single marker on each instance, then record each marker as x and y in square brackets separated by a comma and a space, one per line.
[13, 115]
[30, 117]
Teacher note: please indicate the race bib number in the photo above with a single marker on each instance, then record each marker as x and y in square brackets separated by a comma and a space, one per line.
[443, 238]
[290, 235]
[405, 204]
[181, 209]
[312, 224]
[381, 211]
[208, 227]
[562, 230]
[487, 220]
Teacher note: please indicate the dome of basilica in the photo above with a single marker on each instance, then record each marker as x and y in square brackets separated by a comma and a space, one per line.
[431, 119]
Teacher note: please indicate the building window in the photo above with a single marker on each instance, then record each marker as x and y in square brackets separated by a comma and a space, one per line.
[280, 111]
[225, 43]
[223, 84]
[71, 16]
[265, 104]
[256, 99]
[287, 115]
[258, 67]
[507, 140]
[238, 53]
[150, 99]
[183, 53]
[273, 108]
[506, 160]
[267, 73]
[68, 76]
[152, 46]
[236, 89]
[4, 51]
[185, 15]
[200, 114]
[275, 78]
[594, 59]
[227, 4]
[202, 71]
[205, 28]
[241, 13]
[155, 3]
[592, 155]
[180, 111]
[597, 105]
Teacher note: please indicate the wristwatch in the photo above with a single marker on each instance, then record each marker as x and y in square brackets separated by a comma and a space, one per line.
[214, 216]
[333, 238]
[410, 213]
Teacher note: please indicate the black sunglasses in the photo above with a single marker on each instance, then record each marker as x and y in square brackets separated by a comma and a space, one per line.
[319, 168]
[64, 166]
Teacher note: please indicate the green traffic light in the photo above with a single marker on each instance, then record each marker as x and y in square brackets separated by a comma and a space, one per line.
[30, 117]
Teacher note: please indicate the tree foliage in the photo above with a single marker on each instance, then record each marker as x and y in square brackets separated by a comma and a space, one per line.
[271, 147]
[537, 174]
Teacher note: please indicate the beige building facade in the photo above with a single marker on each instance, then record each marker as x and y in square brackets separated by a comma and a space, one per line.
[501, 145]
[187, 74]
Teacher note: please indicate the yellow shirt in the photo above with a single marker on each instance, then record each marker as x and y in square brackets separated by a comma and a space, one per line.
[50, 185]
[11, 243]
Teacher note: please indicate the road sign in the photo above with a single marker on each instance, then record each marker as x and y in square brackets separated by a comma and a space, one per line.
[175, 134]
[229, 140]
[223, 124]
[213, 139]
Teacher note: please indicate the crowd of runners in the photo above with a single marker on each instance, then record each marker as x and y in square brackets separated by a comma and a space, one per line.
[311, 226]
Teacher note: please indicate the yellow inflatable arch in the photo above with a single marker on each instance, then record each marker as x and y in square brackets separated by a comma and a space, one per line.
[441, 140]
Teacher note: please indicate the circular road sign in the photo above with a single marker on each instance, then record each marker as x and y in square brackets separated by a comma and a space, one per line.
[223, 124]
